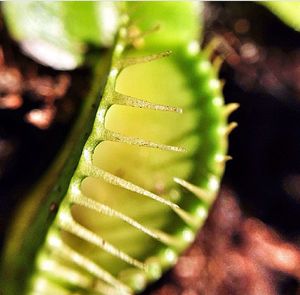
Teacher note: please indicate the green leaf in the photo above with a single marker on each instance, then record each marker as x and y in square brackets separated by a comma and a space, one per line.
[179, 22]
[137, 177]
[57, 33]
[287, 11]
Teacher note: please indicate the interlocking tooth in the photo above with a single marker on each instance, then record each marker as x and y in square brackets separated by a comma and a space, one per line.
[122, 99]
[212, 46]
[169, 240]
[67, 253]
[143, 59]
[103, 288]
[42, 285]
[114, 180]
[227, 158]
[217, 63]
[117, 137]
[199, 192]
[230, 127]
[135, 36]
[230, 108]
[186, 217]
[64, 273]
[222, 159]
[134, 278]
[68, 224]
[134, 32]
[101, 208]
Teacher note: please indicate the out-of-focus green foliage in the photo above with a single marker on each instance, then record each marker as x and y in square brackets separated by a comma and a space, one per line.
[172, 26]
[287, 11]
[57, 33]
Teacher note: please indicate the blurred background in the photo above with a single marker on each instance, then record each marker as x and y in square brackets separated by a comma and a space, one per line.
[250, 243]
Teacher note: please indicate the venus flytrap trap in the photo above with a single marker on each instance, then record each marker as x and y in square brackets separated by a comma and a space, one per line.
[140, 171]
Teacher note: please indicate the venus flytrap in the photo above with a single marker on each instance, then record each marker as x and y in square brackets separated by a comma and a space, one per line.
[136, 184]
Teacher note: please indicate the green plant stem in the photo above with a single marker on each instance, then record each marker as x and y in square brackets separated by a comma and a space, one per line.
[18, 261]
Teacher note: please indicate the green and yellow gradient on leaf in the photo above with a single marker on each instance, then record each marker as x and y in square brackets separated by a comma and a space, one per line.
[148, 171]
